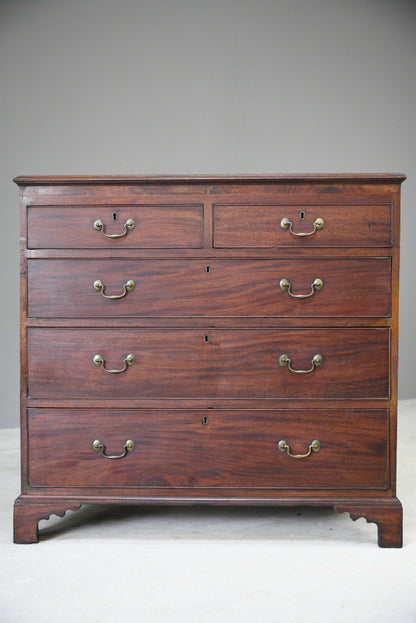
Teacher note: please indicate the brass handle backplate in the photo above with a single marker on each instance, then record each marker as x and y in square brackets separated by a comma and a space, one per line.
[127, 287]
[314, 446]
[286, 286]
[128, 361]
[284, 360]
[100, 447]
[286, 223]
[128, 226]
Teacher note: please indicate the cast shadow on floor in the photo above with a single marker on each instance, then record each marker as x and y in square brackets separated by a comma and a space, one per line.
[206, 523]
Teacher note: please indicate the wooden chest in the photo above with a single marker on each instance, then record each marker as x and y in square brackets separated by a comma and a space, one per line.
[218, 340]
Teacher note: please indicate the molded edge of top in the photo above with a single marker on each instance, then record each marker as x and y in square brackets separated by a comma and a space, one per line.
[50, 180]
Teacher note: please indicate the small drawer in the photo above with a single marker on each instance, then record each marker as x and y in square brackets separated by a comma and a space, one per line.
[302, 226]
[219, 288]
[110, 227]
[210, 363]
[211, 448]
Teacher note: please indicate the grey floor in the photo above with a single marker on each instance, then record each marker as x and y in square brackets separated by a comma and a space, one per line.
[208, 564]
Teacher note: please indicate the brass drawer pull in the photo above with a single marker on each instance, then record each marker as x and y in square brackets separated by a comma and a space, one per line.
[99, 447]
[127, 287]
[128, 361]
[286, 286]
[128, 226]
[314, 446]
[286, 223]
[284, 360]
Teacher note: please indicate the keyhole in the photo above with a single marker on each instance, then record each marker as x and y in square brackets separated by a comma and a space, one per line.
[301, 214]
[114, 216]
[205, 419]
[206, 339]
[207, 269]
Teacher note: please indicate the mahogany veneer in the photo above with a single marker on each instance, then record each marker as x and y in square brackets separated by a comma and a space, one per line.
[205, 352]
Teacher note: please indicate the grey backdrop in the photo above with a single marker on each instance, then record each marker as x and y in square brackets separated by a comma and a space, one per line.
[204, 86]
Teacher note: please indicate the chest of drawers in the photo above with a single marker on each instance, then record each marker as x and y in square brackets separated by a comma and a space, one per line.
[217, 340]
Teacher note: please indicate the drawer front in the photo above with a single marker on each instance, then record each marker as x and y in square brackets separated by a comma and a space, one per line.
[164, 226]
[215, 363]
[209, 449]
[248, 288]
[343, 226]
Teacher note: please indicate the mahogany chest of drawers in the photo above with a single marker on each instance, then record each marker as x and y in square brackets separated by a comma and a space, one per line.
[218, 340]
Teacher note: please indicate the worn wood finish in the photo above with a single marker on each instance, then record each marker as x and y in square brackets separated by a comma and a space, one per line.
[388, 517]
[236, 288]
[207, 402]
[166, 226]
[188, 449]
[344, 226]
[29, 511]
[211, 363]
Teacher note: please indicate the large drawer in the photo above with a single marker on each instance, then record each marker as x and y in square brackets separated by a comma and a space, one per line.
[209, 449]
[211, 363]
[250, 288]
[155, 226]
[339, 225]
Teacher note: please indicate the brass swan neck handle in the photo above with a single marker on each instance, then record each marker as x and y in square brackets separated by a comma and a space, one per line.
[129, 360]
[98, 446]
[127, 287]
[286, 223]
[285, 360]
[128, 226]
[286, 286]
[314, 446]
